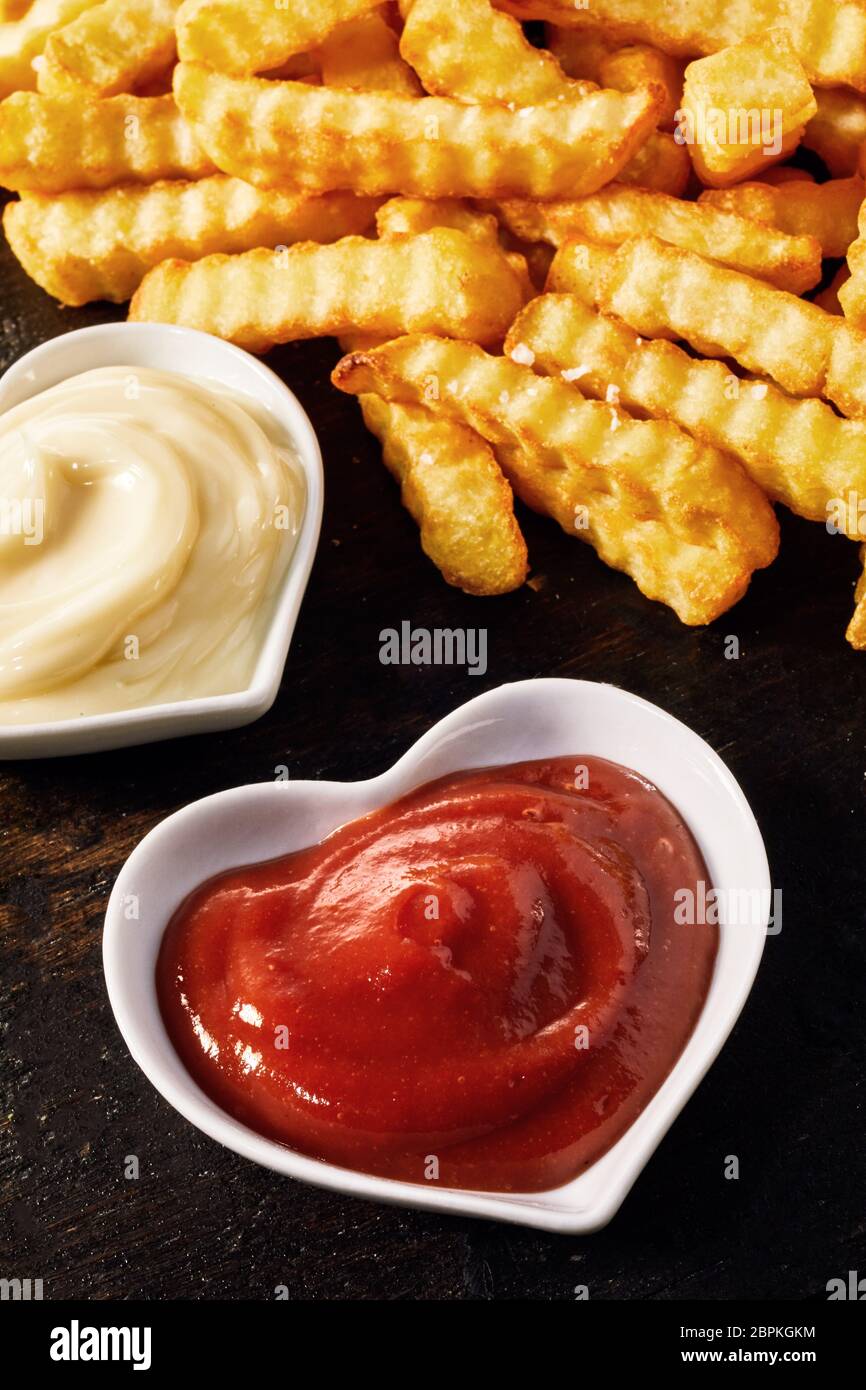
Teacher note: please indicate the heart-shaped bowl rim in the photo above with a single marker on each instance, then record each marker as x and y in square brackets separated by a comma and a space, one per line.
[210, 360]
[529, 719]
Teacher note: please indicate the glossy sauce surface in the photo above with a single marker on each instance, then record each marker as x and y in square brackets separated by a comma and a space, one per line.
[483, 981]
[149, 519]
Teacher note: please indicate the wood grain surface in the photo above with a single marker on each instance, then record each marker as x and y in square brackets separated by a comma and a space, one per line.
[786, 1096]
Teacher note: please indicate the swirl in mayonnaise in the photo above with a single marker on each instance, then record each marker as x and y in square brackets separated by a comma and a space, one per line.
[146, 522]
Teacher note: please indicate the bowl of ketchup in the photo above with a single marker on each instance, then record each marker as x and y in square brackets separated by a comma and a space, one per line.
[486, 981]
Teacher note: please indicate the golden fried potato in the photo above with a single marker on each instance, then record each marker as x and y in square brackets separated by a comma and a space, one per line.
[581, 268]
[856, 633]
[22, 40]
[660, 164]
[745, 107]
[365, 54]
[13, 9]
[441, 282]
[258, 35]
[452, 485]
[830, 39]
[852, 293]
[784, 173]
[409, 216]
[682, 519]
[664, 292]
[616, 213]
[585, 53]
[53, 144]
[799, 452]
[825, 211]
[100, 245]
[828, 299]
[837, 132]
[451, 482]
[319, 138]
[637, 64]
[473, 52]
[114, 47]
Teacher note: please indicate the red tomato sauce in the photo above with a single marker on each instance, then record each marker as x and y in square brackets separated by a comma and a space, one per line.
[484, 980]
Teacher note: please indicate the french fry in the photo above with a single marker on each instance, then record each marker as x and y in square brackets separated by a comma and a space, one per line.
[662, 291]
[22, 40]
[616, 213]
[580, 268]
[53, 144]
[450, 480]
[830, 40]
[665, 292]
[364, 54]
[852, 294]
[826, 212]
[441, 282]
[799, 452]
[579, 52]
[13, 9]
[412, 216]
[112, 47]
[286, 133]
[828, 299]
[258, 35]
[681, 518]
[100, 245]
[745, 106]
[836, 133]
[452, 485]
[780, 174]
[856, 633]
[473, 52]
[660, 164]
[583, 53]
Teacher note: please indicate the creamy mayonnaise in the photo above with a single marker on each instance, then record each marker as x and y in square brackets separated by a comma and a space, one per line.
[146, 521]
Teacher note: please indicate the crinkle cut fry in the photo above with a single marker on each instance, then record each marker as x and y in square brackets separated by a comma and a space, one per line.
[247, 36]
[664, 292]
[838, 131]
[852, 292]
[365, 54]
[54, 144]
[439, 282]
[319, 138]
[830, 39]
[472, 52]
[453, 487]
[682, 519]
[616, 213]
[23, 40]
[116, 46]
[99, 245]
[450, 480]
[800, 452]
[825, 211]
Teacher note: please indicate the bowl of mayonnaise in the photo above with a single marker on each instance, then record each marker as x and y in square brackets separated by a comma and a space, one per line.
[160, 507]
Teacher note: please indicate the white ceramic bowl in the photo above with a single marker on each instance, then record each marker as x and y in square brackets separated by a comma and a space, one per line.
[530, 719]
[195, 354]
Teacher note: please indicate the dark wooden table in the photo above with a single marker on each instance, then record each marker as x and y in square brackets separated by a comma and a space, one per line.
[786, 1096]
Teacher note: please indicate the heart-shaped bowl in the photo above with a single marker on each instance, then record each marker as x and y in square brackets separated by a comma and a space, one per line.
[212, 362]
[529, 719]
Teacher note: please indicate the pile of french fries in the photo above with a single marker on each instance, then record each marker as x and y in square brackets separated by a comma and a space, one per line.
[568, 260]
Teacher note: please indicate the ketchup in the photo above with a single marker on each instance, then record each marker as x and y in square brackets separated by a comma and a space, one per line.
[481, 985]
